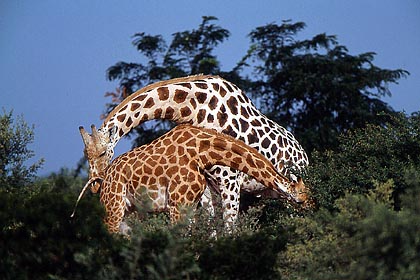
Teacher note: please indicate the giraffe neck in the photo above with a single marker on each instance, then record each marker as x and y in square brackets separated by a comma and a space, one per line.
[209, 102]
[227, 151]
[182, 100]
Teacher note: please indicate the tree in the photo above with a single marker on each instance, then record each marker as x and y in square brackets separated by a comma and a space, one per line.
[315, 87]
[374, 154]
[190, 52]
[15, 136]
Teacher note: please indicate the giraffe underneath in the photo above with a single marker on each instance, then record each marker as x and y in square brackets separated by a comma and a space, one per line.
[215, 103]
[170, 170]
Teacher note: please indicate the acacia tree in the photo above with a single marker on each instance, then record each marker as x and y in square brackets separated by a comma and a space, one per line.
[190, 52]
[315, 87]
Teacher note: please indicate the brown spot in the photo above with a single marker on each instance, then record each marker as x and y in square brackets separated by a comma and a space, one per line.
[215, 155]
[233, 105]
[210, 118]
[180, 96]
[222, 91]
[244, 112]
[145, 118]
[185, 111]
[190, 196]
[213, 103]
[244, 125]
[260, 164]
[222, 118]
[255, 174]
[181, 151]
[163, 181]
[245, 169]
[163, 93]
[196, 188]
[169, 113]
[204, 145]
[173, 160]
[186, 85]
[158, 171]
[234, 165]
[147, 169]
[121, 118]
[171, 149]
[158, 113]
[238, 149]
[152, 181]
[134, 106]
[215, 86]
[241, 99]
[227, 85]
[140, 97]
[252, 138]
[129, 122]
[201, 85]
[162, 160]
[183, 189]
[149, 103]
[265, 143]
[219, 144]
[229, 131]
[201, 97]
[203, 158]
[273, 149]
[250, 160]
[201, 115]
[172, 170]
[193, 103]
[137, 114]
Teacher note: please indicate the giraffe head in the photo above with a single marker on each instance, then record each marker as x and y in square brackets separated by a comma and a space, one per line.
[96, 152]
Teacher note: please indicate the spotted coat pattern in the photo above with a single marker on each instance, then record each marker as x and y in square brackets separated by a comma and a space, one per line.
[210, 102]
[170, 171]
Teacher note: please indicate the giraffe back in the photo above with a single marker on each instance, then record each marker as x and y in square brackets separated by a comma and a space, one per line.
[170, 170]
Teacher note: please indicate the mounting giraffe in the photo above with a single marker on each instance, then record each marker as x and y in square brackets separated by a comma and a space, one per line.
[210, 102]
[170, 170]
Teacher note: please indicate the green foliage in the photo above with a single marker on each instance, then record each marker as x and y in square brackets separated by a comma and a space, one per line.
[314, 86]
[363, 239]
[365, 156]
[39, 240]
[15, 136]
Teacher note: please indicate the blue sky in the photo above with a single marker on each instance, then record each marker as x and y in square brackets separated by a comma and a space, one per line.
[54, 54]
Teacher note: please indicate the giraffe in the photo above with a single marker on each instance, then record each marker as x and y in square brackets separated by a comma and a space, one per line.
[210, 102]
[170, 170]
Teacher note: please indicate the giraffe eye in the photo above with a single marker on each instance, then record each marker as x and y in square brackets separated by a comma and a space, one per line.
[102, 154]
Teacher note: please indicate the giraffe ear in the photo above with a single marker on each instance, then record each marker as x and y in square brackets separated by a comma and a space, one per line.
[85, 135]
[94, 131]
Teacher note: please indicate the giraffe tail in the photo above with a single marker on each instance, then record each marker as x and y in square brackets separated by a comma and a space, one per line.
[82, 192]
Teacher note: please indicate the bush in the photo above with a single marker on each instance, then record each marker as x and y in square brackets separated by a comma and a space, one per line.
[15, 136]
[365, 156]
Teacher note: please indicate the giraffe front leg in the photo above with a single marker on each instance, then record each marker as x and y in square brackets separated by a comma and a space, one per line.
[114, 210]
[174, 214]
[206, 202]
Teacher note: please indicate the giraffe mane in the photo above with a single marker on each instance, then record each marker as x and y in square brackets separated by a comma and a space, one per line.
[153, 86]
